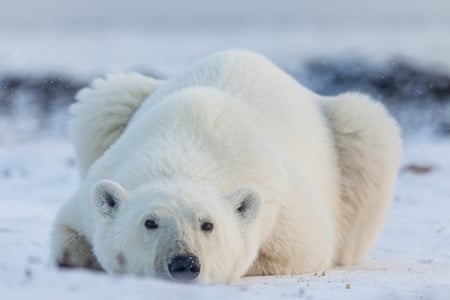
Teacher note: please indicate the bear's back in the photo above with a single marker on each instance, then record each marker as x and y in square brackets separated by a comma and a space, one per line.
[245, 75]
[288, 113]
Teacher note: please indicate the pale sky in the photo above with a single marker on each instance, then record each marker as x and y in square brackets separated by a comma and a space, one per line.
[234, 13]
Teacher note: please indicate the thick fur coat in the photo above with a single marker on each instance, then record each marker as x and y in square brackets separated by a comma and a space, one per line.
[293, 182]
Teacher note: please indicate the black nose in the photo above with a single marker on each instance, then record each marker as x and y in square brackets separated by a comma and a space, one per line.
[184, 267]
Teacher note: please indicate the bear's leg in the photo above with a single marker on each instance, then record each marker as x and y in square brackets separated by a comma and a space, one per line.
[368, 144]
[303, 238]
[102, 112]
[72, 250]
[69, 248]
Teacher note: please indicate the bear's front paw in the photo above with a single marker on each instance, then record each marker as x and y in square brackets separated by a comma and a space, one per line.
[68, 261]
[72, 250]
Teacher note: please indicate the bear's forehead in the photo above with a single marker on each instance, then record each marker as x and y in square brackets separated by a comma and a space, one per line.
[176, 194]
[167, 207]
[174, 189]
[176, 199]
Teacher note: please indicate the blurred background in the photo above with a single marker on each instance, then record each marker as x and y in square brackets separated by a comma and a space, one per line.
[398, 51]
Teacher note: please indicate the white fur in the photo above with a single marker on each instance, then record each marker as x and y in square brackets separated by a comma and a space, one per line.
[103, 111]
[318, 173]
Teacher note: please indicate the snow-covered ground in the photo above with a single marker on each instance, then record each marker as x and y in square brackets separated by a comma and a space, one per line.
[411, 261]
[81, 39]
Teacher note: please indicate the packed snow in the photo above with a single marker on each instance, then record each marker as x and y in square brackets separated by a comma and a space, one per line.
[412, 258]
[38, 171]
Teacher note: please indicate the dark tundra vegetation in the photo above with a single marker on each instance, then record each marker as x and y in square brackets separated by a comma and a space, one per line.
[417, 95]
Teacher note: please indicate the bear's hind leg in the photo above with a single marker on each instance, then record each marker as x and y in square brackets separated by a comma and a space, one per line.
[368, 145]
[102, 112]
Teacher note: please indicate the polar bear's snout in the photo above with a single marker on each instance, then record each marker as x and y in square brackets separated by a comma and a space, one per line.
[184, 267]
[229, 169]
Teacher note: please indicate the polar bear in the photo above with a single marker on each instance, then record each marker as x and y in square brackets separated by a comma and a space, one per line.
[229, 169]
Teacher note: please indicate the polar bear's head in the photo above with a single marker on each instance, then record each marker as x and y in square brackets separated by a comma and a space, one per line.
[176, 231]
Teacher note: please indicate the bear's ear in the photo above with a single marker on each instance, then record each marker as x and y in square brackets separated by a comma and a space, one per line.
[246, 203]
[108, 197]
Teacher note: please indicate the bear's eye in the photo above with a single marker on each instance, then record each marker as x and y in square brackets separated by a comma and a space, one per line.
[150, 224]
[207, 226]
